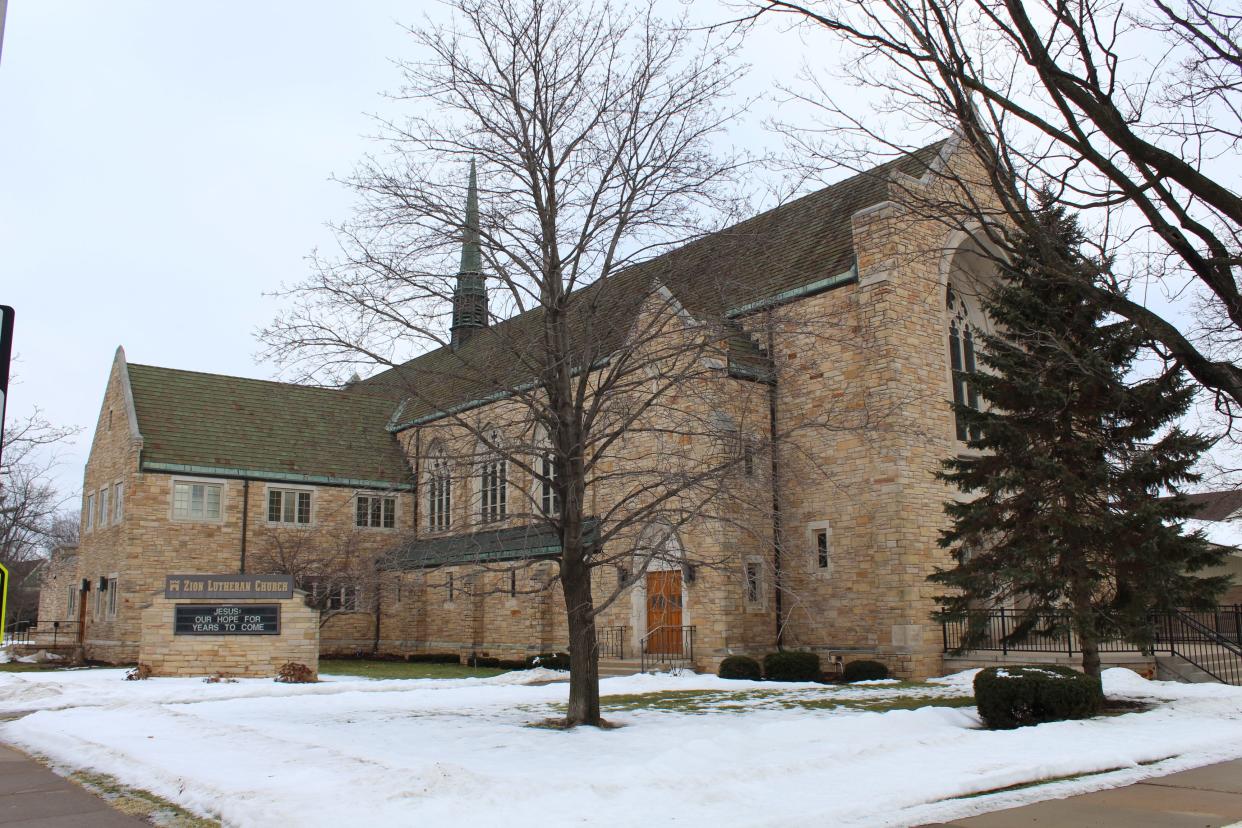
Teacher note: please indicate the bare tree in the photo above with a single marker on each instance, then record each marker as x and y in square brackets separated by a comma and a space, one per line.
[1126, 112]
[577, 391]
[30, 507]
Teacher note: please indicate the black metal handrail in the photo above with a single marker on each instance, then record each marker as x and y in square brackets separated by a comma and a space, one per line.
[1209, 639]
[667, 646]
[50, 634]
[611, 642]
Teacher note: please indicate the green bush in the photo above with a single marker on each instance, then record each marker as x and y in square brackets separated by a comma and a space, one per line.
[482, 661]
[513, 664]
[863, 670]
[434, 658]
[549, 661]
[1009, 697]
[790, 666]
[739, 667]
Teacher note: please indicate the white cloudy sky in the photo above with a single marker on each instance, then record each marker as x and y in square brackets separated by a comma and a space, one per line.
[162, 165]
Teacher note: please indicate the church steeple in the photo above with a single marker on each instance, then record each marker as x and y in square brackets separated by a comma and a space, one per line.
[470, 295]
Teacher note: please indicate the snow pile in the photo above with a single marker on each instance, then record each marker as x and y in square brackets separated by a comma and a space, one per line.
[435, 752]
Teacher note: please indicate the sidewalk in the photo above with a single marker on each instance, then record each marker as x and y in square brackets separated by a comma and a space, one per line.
[1206, 797]
[31, 796]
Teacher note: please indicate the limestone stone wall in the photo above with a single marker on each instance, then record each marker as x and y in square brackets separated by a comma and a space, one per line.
[256, 656]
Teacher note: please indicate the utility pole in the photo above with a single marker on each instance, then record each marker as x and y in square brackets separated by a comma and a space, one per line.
[6, 349]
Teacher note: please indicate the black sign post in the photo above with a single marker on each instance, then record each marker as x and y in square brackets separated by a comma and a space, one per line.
[6, 356]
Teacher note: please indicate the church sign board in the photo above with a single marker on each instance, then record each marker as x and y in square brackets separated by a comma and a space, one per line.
[227, 587]
[226, 619]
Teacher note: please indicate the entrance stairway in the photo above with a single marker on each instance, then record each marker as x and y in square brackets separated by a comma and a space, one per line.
[619, 667]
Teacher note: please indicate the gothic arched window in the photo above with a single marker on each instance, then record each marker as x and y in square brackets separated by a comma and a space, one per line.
[963, 336]
[439, 491]
[493, 482]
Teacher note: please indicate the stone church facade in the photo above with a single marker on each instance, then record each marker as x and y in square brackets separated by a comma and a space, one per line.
[359, 493]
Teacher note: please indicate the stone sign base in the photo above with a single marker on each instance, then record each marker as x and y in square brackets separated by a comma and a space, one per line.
[243, 649]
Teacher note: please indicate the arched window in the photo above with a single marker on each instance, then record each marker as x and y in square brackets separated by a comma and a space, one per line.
[439, 491]
[963, 335]
[549, 498]
[493, 482]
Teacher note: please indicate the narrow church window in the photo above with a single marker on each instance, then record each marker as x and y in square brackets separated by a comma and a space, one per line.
[753, 582]
[748, 458]
[549, 499]
[72, 605]
[493, 486]
[450, 587]
[118, 502]
[89, 512]
[512, 583]
[962, 332]
[112, 597]
[288, 506]
[822, 549]
[103, 507]
[439, 494]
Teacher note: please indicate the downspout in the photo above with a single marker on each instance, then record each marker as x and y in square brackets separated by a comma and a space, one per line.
[776, 496]
[418, 458]
[378, 593]
[245, 517]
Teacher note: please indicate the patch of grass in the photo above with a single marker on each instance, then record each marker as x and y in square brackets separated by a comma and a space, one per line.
[401, 669]
[738, 701]
[139, 803]
[22, 667]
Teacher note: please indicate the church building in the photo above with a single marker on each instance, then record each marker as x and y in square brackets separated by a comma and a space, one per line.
[406, 542]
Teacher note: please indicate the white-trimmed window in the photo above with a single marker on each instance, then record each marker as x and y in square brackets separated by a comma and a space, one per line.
[493, 485]
[289, 506]
[197, 501]
[963, 333]
[439, 492]
[118, 502]
[112, 597]
[376, 512]
[104, 515]
[753, 573]
[89, 511]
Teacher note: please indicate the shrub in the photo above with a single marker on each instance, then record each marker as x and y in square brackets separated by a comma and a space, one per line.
[863, 670]
[140, 673]
[220, 678]
[549, 661]
[513, 664]
[482, 661]
[291, 672]
[433, 658]
[791, 666]
[1009, 697]
[739, 667]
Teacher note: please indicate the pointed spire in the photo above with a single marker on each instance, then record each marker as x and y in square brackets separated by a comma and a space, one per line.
[471, 255]
[470, 294]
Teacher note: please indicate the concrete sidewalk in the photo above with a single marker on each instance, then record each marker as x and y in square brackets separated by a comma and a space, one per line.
[1206, 797]
[31, 796]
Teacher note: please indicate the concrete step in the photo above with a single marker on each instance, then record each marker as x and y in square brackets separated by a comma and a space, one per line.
[1176, 668]
[619, 667]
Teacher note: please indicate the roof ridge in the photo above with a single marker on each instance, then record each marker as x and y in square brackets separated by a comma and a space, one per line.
[298, 385]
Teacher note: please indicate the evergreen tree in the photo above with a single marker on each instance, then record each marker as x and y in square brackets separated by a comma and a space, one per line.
[1065, 512]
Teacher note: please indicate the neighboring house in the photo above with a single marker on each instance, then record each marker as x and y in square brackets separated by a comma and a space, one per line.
[194, 472]
[1219, 516]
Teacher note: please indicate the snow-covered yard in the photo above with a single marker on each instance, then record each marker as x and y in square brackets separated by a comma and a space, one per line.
[704, 751]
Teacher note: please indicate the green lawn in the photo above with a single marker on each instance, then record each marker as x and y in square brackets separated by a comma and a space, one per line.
[401, 669]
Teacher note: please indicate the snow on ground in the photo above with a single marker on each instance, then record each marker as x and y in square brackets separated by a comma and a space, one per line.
[436, 752]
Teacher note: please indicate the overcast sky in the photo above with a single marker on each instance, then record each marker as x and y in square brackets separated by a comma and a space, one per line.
[163, 164]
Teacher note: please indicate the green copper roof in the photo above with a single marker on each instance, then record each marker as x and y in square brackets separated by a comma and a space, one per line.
[489, 546]
[277, 430]
[471, 254]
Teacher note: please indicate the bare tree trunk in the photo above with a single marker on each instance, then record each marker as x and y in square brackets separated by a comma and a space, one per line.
[584, 652]
[1086, 627]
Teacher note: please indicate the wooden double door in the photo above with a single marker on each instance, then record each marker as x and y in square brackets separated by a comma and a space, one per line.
[664, 612]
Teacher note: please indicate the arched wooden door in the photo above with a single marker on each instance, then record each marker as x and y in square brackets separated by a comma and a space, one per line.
[664, 612]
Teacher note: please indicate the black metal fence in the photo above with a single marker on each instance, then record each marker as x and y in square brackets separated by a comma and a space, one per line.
[668, 647]
[611, 642]
[49, 634]
[1209, 639]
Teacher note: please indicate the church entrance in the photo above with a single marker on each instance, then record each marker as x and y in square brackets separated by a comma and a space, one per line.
[664, 612]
